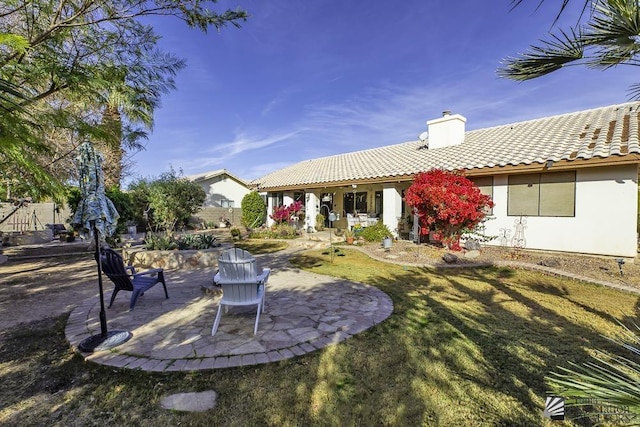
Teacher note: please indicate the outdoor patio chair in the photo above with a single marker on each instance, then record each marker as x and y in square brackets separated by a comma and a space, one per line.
[241, 283]
[352, 221]
[125, 278]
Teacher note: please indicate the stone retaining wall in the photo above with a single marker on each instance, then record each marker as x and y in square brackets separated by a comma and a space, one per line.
[173, 260]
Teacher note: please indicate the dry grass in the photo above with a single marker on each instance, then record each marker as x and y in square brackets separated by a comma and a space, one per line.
[466, 347]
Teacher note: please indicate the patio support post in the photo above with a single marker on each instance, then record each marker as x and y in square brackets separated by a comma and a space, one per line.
[312, 203]
[391, 207]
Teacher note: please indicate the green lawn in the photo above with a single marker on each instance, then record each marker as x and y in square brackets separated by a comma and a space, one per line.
[462, 348]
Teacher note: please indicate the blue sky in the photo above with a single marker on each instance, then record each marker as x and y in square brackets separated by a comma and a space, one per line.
[313, 78]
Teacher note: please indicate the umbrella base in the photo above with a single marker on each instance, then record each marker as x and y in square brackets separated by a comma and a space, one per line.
[99, 342]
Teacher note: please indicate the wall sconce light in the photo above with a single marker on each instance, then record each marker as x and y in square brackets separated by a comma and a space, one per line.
[354, 185]
[548, 164]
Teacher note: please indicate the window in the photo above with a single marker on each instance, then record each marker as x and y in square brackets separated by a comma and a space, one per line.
[224, 203]
[548, 194]
[378, 202]
[485, 184]
[298, 196]
[360, 202]
[277, 199]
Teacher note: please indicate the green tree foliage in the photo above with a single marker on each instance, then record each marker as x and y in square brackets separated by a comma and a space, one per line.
[65, 65]
[605, 36]
[254, 210]
[172, 200]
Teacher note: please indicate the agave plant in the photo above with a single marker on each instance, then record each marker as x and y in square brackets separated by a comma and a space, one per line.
[206, 241]
[160, 241]
[608, 385]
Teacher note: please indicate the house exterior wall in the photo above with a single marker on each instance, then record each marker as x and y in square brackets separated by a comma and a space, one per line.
[223, 187]
[605, 221]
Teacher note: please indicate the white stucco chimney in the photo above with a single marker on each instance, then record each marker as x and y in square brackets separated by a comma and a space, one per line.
[446, 131]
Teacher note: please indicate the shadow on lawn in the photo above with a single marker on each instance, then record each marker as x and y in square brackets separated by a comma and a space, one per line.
[462, 347]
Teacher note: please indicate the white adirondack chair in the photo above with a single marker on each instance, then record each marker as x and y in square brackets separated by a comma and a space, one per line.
[241, 283]
[352, 221]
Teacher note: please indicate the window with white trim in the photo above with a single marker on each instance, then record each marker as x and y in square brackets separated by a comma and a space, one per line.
[542, 194]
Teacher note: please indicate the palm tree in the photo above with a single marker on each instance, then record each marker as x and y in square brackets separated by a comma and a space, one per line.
[609, 37]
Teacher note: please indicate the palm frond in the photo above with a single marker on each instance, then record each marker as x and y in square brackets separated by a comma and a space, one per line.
[541, 60]
[634, 92]
[563, 7]
[609, 381]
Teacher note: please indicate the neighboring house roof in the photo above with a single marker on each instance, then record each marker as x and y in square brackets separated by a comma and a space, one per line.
[208, 175]
[599, 136]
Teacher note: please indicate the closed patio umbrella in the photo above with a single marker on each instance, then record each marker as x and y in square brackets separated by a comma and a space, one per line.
[96, 215]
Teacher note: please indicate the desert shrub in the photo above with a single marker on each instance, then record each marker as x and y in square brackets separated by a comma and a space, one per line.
[320, 222]
[286, 231]
[235, 232]
[281, 231]
[163, 241]
[206, 241]
[171, 200]
[375, 232]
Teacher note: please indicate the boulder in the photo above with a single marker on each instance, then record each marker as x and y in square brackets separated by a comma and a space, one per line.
[472, 245]
[449, 258]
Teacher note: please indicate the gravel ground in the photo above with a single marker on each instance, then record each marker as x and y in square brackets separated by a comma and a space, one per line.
[599, 268]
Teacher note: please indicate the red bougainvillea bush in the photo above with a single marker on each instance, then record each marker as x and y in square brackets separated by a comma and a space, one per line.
[447, 203]
[282, 214]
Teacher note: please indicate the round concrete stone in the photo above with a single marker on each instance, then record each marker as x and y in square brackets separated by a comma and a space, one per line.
[190, 402]
[472, 254]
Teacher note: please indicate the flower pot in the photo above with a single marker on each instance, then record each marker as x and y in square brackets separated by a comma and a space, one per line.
[349, 240]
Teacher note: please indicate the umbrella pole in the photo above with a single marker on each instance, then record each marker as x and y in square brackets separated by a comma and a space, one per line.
[103, 314]
[106, 339]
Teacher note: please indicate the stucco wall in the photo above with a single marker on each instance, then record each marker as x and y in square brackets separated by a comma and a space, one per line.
[605, 222]
[33, 216]
[223, 187]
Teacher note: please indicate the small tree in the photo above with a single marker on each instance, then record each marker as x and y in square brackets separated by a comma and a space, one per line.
[170, 198]
[447, 203]
[254, 210]
[174, 199]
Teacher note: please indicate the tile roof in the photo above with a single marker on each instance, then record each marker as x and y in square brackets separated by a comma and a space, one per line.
[607, 133]
[208, 175]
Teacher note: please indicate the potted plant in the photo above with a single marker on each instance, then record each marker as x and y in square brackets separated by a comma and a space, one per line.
[349, 236]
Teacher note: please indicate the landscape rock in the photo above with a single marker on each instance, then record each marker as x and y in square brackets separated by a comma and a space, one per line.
[550, 262]
[472, 245]
[472, 254]
[190, 402]
[449, 258]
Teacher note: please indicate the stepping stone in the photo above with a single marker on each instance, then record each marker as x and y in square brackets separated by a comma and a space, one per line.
[472, 254]
[190, 402]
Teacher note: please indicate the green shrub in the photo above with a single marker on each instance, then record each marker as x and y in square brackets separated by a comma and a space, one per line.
[206, 241]
[320, 222]
[375, 232]
[281, 231]
[235, 232]
[170, 200]
[254, 210]
[166, 241]
[163, 241]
